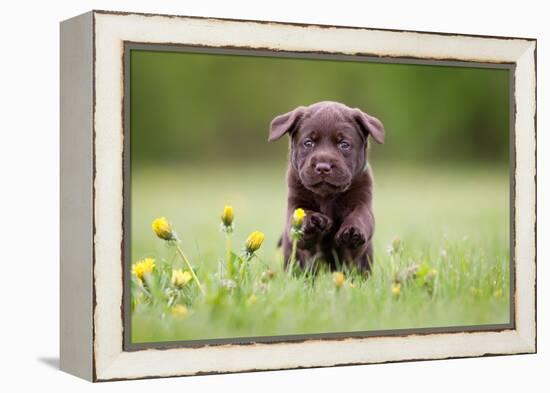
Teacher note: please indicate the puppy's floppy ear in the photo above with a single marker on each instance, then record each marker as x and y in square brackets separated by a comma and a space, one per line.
[287, 122]
[369, 125]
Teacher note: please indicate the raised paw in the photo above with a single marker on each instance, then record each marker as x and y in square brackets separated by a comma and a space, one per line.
[316, 224]
[350, 237]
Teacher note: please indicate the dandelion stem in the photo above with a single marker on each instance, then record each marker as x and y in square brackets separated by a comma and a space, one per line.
[230, 268]
[246, 258]
[293, 253]
[241, 270]
[178, 248]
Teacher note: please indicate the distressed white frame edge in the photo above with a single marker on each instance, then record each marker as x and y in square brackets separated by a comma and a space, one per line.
[76, 204]
[110, 32]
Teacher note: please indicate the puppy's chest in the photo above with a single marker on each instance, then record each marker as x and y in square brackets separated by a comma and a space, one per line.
[333, 210]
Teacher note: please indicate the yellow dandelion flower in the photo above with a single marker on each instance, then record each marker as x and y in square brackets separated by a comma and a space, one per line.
[396, 289]
[498, 293]
[163, 229]
[298, 218]
[180, 278]
[227, 216]
[254, 242]
[338, 278]
[179, 311]
[251, 300]
[143, 267]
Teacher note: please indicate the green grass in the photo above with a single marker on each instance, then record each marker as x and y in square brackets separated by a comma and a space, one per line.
[453, 221]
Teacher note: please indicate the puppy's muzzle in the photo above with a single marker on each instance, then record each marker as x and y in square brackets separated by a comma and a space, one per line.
[323, 168]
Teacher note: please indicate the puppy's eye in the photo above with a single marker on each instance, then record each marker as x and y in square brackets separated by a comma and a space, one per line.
[308, 143]
[344, 145]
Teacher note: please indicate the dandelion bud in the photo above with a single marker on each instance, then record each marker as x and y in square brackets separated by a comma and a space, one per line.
[179, 311]
[338, 278]
[180, 278]
[162, 229]
[298, 218]
[396, 244]
[251, 300]
[268, 275]
[143, 267]
[254, 242]
[227, 216]
[396, 289]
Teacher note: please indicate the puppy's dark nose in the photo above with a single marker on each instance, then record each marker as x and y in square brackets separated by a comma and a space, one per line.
[323, 168]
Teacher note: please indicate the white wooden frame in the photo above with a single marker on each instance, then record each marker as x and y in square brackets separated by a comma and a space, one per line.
[92, 89]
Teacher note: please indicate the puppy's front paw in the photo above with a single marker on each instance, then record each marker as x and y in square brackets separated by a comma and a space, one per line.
[350, 237]
[316, 224]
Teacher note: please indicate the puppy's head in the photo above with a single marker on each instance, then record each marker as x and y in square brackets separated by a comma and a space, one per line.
[328, 144]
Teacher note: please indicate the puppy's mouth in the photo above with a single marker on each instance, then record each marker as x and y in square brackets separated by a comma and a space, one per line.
[325, 187]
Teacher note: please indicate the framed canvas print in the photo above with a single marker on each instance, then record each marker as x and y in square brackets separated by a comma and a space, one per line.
[246, 195]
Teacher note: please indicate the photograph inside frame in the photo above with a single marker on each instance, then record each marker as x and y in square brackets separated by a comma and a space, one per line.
[278, 195]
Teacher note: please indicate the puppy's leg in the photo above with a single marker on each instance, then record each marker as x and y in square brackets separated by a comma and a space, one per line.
[353, 239]
[315, 227]
[360, 257]
[364, 263]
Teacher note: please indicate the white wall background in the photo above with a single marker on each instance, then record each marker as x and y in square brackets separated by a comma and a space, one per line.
[29, 122]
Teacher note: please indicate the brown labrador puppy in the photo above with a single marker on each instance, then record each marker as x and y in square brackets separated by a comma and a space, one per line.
[329, 178]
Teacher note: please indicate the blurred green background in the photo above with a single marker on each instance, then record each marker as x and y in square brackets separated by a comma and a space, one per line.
[217, 108]
[199, 125]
